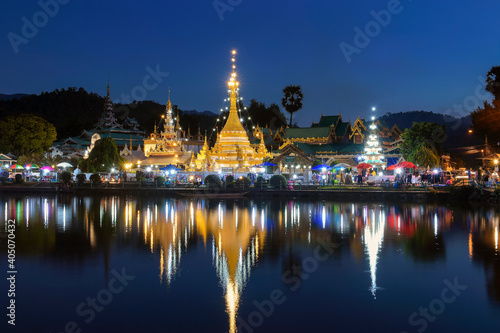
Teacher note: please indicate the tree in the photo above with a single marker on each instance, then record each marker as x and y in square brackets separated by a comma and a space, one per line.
[425, 155]
[292, 102]
[26, 134]
[66, 177]
[486, 119]
[266, 116]
[432, 134]
[493, 82]
[104, 156]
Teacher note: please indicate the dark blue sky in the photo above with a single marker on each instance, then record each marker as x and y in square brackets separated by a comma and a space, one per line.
[428, 57]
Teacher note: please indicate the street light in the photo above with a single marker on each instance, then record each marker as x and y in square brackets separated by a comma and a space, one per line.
[486, 151]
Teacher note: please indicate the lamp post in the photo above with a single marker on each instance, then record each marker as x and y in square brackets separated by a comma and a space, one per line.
[486, 150]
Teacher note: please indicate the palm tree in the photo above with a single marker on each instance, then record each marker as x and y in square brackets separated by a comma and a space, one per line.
[292, 102]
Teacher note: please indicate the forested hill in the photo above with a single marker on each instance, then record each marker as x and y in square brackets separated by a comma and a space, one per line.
[13, 96]
[72, 110]
[456, 128]
[405, 119]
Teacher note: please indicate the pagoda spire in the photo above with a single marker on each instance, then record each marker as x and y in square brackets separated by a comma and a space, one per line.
[233, 120]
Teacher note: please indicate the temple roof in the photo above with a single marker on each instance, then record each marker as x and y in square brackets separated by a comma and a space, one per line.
[308, 132]
[341, 128]
[326, 121]
[339, 148]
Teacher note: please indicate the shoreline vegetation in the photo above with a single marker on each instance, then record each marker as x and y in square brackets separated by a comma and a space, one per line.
[424, 194]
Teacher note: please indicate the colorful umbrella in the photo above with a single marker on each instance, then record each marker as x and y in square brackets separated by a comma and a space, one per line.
[392, 167]
[16, 167]
[364, 166]
[407, 165]
[342, 165]
[64, 165]
[47, 168]
[31, 166]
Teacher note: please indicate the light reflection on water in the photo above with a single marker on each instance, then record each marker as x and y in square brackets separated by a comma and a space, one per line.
[240, 234]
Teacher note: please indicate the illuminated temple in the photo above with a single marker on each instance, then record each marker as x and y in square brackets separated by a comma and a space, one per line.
[232, 151]
[166, 148]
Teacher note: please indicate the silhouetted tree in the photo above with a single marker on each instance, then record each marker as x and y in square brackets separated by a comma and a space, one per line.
[292, 102]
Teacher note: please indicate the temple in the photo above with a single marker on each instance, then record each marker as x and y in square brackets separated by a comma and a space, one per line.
[165, 147]
[232, 151]
[107, 126]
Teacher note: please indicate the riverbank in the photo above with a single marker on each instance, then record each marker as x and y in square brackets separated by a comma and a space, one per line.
[343, 193]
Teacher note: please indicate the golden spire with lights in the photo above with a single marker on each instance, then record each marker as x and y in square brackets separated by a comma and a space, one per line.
[169, 105]
[233, 121]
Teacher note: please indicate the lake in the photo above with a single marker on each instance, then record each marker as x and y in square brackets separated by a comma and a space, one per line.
[146, 264]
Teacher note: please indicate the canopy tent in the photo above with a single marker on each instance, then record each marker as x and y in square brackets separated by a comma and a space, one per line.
[64, 165]
[321, 167]
[265, 164]
[341, 165]
[47, 168]
[364, 166]
[406, 164]
[170, 167]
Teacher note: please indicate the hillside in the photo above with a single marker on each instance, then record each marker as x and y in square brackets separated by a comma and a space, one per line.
[4, 97]
[72, 110]
[456, 128]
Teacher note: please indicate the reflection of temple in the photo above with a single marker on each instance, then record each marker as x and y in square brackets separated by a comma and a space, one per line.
[240, 235]
[238, 240]
[166, 148]
[373, 238]
[232, 150]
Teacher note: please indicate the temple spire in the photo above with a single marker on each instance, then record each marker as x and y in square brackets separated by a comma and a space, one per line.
[233, 120]
[169, 105]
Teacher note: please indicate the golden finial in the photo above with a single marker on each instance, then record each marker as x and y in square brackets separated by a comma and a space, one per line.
[169, 105]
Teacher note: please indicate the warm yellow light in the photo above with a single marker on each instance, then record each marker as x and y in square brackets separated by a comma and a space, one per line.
[234, 51]
[163, 116]
[496, 161]
[470, 131]
[233, 60]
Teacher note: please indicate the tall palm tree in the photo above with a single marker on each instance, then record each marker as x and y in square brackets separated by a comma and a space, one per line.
[292, 102]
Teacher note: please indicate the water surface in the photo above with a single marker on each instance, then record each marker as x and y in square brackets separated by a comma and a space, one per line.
[127, 264]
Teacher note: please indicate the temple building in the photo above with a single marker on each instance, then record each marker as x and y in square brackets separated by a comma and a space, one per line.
[107, 126]
[165, 147]
[232, 151]
[332, 139]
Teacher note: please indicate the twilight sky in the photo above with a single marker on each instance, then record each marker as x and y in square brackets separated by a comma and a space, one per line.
[419, 55]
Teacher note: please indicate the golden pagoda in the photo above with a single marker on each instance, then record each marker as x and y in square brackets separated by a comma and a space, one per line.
[232, 151]
[165, 148]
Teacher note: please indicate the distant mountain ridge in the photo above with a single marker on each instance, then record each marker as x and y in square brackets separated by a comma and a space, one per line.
[4, 97]
[203, 113]
[456, 128]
